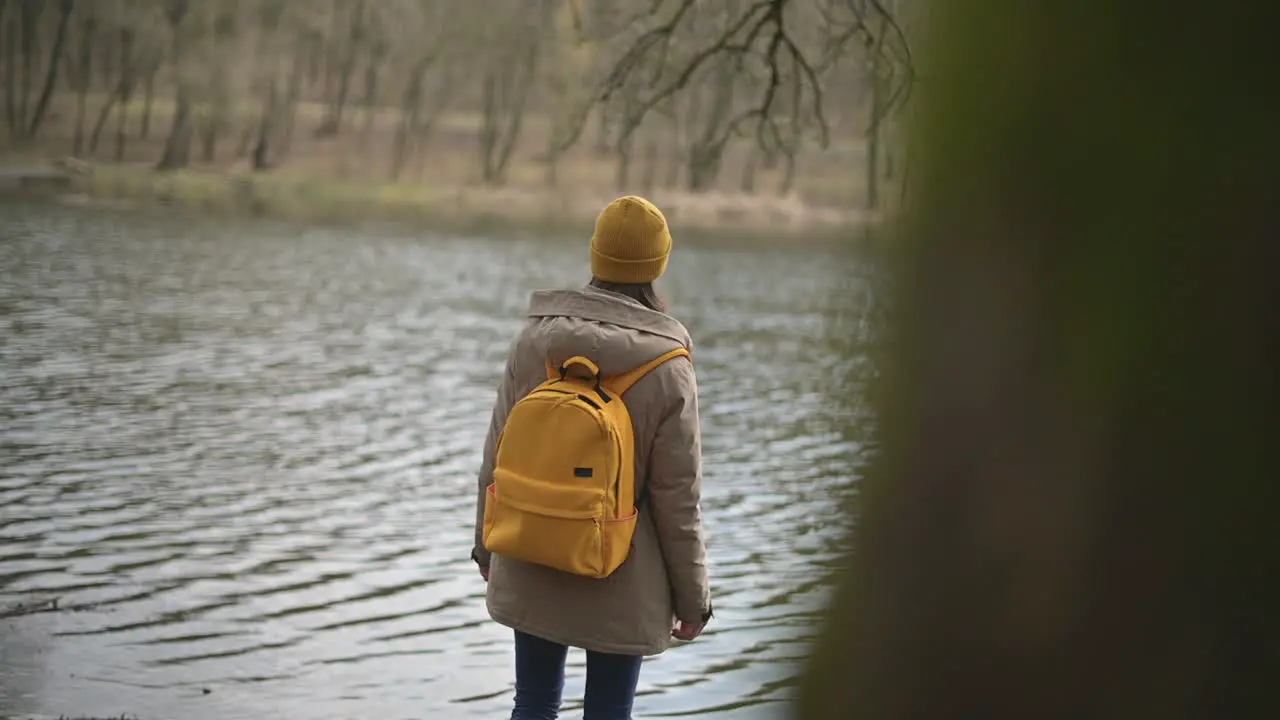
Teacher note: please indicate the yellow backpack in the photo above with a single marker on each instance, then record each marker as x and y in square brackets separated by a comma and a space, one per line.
[563, 490]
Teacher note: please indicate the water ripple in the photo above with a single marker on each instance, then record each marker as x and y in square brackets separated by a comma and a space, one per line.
[242, 458]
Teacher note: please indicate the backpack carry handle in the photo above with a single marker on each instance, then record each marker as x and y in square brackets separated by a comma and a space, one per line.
[591, 368]
[581, 361]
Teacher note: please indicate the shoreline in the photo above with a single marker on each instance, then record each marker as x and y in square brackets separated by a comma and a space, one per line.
[279, 195]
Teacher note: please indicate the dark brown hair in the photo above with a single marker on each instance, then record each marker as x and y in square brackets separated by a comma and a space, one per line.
[643, 293]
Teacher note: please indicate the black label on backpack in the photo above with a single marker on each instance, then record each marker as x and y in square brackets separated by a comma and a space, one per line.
[582, 472]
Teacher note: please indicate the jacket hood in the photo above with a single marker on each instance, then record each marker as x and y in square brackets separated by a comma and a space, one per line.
[614, 331]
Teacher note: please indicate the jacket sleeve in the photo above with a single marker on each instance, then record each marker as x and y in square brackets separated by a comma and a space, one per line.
[675, 487]
[501, 408]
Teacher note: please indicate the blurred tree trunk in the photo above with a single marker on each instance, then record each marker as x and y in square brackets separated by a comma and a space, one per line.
[794, 140]
[681, 109]
[332, 123]
[602, 146]
[148, 100]
[624, 146]
[10, 45]
[103, 115]
[372, 72]
[220, 100]
[121, 91]
[505, 90]
[876, 68]
[128, 81]
[51, 72]
[262, 145]
[304, 49]
[425, 123]
[749, 167]
[408, 132]
[82, 73]
[706, 151]
[649, 176]
[1072, 513]
[267, 54]
[29, 24]
[177, 147]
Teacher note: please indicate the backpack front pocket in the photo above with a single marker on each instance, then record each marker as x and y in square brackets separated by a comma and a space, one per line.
[559, 526]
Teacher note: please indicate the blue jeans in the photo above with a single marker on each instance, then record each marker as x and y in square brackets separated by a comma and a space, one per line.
[611, 681]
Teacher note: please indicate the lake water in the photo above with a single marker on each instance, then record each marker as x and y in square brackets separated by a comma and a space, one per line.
[242, 456]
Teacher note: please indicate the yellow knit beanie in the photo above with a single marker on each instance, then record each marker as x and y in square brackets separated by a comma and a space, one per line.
[631, 242]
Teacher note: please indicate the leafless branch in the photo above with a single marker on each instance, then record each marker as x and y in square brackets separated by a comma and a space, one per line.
[739, 40]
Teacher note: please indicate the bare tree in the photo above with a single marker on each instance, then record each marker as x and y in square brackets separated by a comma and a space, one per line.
[122, 90]
[348, 57]
[379, 50]
[760, 39]
[51, 72]
[11, 33]
[267, 52]
[82, 70]
[566, 69]
[509, 67]
[22, 60]
[177, 148]
[219, 93]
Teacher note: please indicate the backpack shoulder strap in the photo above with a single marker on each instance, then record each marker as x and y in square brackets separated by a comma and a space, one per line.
[619, 384]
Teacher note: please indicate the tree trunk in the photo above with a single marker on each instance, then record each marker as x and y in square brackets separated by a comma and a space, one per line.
[262, 148]
[706, 153]
[673, 155]
[29, 17]
[122, 120]
[77, 139]
[211, 129]
[873, 124]
[749, 171]
[83, 73]
[622, 170]
[400, 143]
[649, 178]
[51, 73]
[13, 119]
[604, 131]
[788, 181]
[410, 110]
[297, 75]
[101, 123]
[515, 117]
[625, 143]
[148, 96]
[488, 125]
[792, 146]
[428, 118]
[177, 148]
[333, 121]
[370, 94]
[1073, 503]
[505, 90]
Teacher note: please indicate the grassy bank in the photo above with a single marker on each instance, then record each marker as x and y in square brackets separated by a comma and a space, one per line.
[313, 199]
[347, 177]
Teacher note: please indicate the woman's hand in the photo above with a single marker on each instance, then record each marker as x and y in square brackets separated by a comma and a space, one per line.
[686, 631]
